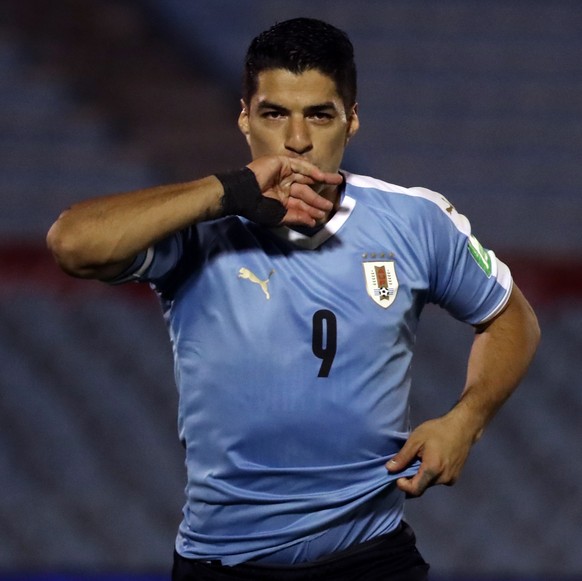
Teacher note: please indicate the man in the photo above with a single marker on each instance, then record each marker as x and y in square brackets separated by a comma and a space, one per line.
[292, 294]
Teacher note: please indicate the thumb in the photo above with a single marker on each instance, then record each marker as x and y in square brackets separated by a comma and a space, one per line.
[402, 459]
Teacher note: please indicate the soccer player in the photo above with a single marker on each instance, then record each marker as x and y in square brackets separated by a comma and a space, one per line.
[292, 292]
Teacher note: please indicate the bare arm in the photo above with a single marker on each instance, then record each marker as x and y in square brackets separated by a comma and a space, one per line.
[99, 238]
[501, 353]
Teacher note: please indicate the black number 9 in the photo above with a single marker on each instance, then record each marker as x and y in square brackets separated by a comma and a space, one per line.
[324, 340]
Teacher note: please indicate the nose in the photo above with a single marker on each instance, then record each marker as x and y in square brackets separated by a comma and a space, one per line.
[298, 137]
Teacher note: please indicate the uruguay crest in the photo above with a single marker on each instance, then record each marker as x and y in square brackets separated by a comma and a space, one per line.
[381, 281]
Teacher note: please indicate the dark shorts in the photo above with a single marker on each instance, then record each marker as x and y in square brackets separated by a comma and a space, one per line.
[391, 557]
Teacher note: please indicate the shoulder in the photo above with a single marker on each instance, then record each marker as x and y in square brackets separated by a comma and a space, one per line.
[411, 203]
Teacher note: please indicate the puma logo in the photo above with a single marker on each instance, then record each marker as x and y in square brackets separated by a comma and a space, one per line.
[264, 284]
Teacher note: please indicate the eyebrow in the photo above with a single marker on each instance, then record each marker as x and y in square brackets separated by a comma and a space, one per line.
[322, 107]
[270, 105]
[318, 108]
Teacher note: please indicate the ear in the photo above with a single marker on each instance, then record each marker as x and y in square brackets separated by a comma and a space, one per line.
[353, 123]
[243, 120]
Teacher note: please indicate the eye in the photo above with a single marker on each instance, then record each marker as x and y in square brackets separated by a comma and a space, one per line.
[272, 114]
[321, 116]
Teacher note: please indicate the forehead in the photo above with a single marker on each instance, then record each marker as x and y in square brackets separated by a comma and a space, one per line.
[282, 87]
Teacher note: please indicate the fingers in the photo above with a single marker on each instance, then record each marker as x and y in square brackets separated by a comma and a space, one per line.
[306, 172]
[293, 182]
[407, 454]
[442, 447]
[431, 468]
[427, 475]
[272, 171]
[415, 486]
[301, 213]
[424, 478]
[305, 206]
[309, 197]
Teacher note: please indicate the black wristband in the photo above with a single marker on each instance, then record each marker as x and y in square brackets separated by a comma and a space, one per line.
[243, 197]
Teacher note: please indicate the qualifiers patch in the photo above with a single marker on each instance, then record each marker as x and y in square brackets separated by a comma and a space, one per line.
[381, 281]
[480, 255]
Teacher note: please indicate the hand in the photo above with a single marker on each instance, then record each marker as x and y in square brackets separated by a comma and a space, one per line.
[443, 445]
[289, 181]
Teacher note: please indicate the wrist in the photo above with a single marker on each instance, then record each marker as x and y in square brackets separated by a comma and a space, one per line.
[241, 191]
[470, 421]
[243, 197]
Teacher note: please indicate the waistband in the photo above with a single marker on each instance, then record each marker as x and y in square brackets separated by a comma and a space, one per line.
[394, 538]
[391, 556]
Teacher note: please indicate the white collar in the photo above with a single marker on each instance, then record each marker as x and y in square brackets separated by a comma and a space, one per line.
[311, 242]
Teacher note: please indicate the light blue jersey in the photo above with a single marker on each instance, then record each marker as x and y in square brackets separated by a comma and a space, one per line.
[292, 358]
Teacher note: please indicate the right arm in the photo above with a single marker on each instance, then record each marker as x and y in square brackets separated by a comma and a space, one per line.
[99, 238]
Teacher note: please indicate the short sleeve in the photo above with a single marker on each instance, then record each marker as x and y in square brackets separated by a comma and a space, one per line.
[157, 262]
[466, 279]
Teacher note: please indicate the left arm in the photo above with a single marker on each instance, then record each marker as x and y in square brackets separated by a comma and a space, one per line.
[500, 355]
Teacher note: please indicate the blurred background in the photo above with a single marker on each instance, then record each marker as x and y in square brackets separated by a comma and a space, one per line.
[480, 100]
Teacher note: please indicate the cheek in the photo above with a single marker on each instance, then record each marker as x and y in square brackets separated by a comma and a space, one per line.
[264, 142]
[334, 147]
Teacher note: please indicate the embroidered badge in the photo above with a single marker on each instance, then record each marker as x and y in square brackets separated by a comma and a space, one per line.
[381, 281]
[480, 255]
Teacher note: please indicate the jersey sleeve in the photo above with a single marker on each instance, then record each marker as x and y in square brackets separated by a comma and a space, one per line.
[158, 262]
[466, 279]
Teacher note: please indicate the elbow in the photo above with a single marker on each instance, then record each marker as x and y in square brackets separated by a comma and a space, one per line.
[67, 249]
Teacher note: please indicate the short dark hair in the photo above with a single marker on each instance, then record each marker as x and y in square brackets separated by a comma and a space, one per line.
[299, 45]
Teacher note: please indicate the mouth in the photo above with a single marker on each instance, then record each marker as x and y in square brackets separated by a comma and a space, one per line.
[301, 157]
